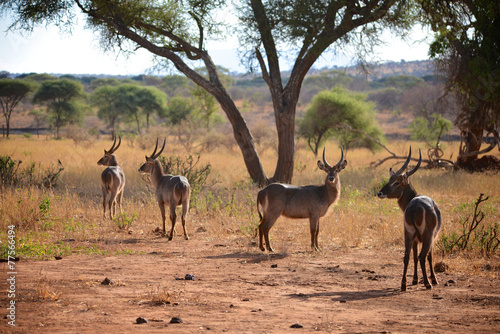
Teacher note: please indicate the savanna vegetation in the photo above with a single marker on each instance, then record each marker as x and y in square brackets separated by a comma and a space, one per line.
[65, 216]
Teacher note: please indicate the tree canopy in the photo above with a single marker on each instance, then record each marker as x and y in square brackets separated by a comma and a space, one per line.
[128, 102]
[343, 115]
[12, 91]
[62, 98]
[467, 50]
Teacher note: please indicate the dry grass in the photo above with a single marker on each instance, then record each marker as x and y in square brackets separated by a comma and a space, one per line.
[226, 210]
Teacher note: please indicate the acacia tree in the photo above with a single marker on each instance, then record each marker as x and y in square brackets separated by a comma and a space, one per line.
[176, 31]
[341, 114]
[12, 91]
[151, 101]
[467, 51]
[61, 96]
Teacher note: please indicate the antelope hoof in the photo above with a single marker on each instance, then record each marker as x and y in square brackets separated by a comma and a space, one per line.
[434, 281]
[415, 281]
[186, 237]
[270, 249]
[428, 286]
[403, 286]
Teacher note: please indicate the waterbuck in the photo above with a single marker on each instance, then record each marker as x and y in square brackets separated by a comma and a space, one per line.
[422, 220]
[299, 202]
[170, 190]
[112, 180]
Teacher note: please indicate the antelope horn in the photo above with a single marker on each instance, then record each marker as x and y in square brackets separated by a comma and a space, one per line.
[119, 142]
[324, 160]
[156, 147]
[418, 164]
[341, 157]
[403, 168]
[158, 154]
[111, 150]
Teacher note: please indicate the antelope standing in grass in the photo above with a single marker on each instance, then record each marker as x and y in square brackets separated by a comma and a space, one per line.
[299, 202]
[112, 180]
[170, 190]
[422, 220]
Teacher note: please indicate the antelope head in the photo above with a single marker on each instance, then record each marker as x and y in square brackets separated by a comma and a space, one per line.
[109, 158]
[398, 181]
[148, 166]
[332, 171]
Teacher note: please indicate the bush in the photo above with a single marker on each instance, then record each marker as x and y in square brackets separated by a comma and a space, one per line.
[473, 236]
[9, 171]
[197, 176]
[11, 175]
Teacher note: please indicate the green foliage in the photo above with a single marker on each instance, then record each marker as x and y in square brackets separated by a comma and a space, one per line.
[386, 98]
[9, 170]
[473, 236]
[197, 176]
[430, 131]
[178, 109]
[338, 113]
[124, 221]
[61, 96]
[400, 82]
[11, 175]
[11, 93]
[132, 102]
[466, 51]
[174, 85]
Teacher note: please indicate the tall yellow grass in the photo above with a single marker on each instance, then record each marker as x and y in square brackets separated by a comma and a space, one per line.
[227, 209]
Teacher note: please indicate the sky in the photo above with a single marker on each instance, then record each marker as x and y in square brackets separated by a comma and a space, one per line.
[46, 50]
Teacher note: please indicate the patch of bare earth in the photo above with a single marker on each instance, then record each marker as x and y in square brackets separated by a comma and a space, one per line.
[241, 290]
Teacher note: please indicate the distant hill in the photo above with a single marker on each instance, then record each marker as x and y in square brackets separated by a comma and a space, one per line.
[418, 68]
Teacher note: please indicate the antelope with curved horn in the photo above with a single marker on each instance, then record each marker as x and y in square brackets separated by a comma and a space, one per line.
[422, 220]
[112, 180]
[299, 202]
[170, 190]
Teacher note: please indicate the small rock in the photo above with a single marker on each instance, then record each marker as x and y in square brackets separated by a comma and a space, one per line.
[450, 282]
[189, 277]
[106, 281]
[141, 320]
[58, 257]
[297, 325]
[176, 320]
[274, 266]
[441, 267]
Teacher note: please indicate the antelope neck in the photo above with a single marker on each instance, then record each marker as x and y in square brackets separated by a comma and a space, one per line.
[332, 190]
[113, 161]
[409, 193]
[156, 174]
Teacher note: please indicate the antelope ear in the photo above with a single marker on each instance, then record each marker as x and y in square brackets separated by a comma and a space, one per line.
[343, 165]
[146, 158]
[322, 166]
[391, 172]
[105, 152]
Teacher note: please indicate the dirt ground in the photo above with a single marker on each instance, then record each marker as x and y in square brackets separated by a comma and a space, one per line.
[238, 289]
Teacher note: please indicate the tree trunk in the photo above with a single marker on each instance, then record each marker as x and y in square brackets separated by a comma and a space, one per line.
[244, 140]
[7, 124]
[285, 124]
[470, 144]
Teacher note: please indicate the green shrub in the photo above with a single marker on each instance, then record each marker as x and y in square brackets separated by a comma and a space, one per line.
[197, 176]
